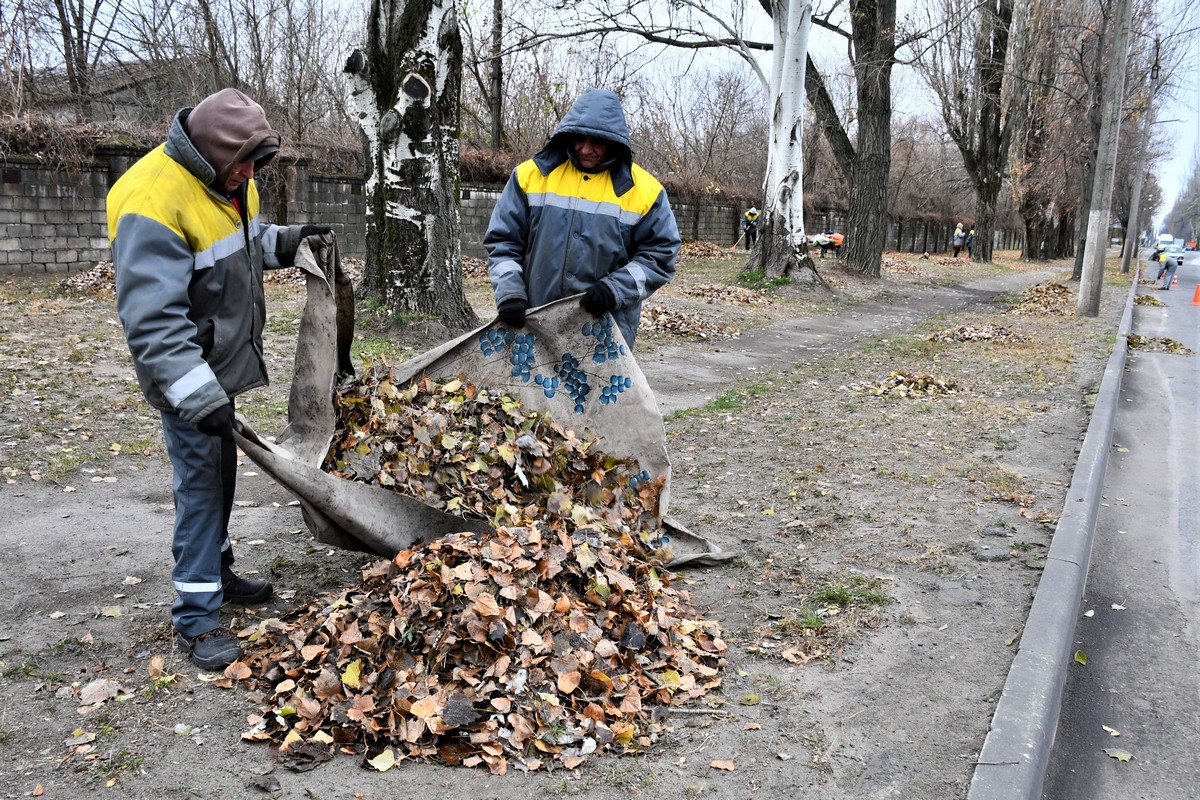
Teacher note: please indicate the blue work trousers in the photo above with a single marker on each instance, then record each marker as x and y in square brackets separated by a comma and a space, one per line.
[204, 476]
[1172, 266]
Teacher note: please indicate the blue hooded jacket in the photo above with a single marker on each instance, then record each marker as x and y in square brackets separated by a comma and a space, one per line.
[557, 230]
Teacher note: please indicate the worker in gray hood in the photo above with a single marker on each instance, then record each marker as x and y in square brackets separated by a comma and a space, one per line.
[581, 217]
[189, 251]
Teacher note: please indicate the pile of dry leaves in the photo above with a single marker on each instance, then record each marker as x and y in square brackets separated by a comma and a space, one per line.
[706, 250]
[658, 319]
[473, 452]
[976, 333]
[550, 638]
[899, 266]
[724, 293]
[902, 384]
[1046, 298]
[1161, 344]
[99, 281]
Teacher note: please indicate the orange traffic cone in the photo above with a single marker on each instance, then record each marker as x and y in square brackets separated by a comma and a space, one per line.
[1196, 296]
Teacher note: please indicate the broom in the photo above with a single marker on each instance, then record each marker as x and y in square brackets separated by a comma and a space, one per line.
[739, 241]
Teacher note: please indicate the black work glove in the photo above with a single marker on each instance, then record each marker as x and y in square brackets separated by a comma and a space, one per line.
[598, 300]
[512, 312]
[218, 423]
[290, 238]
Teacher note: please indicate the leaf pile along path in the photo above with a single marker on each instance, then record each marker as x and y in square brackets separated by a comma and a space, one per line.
[550, 638]
[977, 333]
[903, 384]
[657, 319]
[724, 293]
[1162, 344]
[1045, 298]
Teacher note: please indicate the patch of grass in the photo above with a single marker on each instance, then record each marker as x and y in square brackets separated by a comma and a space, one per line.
[27, 668]
[737, 399]
[283, 323]
[264, 412]
[1002, 442]
[121, 761]
[855, 591]
[755, 279]
[373, 348]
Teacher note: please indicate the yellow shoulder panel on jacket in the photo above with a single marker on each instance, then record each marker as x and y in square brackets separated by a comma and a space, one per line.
[159, 188]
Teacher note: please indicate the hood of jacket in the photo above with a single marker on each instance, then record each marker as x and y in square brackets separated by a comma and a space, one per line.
[225, 129]
[597, 113]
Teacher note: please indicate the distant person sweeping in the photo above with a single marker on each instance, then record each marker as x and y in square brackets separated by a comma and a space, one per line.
[750, 227]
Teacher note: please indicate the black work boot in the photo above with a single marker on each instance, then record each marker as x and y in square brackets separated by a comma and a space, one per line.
[243, 591]
[212, 650]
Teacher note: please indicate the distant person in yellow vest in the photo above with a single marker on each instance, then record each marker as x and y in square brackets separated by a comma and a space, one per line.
[750, 227]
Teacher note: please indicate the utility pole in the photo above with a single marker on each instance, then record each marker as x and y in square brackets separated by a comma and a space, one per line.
[1135, 201]
[1091, 282]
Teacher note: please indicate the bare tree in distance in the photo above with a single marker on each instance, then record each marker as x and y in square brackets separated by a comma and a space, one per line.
[405, 92]
[965, 68]
[870, 31]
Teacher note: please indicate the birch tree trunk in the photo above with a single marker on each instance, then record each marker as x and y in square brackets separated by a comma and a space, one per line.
[782, 248]
[405, 92]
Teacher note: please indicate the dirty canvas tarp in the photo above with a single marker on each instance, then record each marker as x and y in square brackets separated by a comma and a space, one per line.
[563, 363]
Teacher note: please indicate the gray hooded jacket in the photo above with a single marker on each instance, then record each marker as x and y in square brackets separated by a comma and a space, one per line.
[558, 230]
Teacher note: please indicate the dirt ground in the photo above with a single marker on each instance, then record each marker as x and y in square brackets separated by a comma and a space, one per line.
[890, 533]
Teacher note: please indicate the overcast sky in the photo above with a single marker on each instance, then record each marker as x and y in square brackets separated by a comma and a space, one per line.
[1180, 117]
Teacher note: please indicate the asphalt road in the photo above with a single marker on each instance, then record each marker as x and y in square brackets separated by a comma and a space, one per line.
[1138, 694]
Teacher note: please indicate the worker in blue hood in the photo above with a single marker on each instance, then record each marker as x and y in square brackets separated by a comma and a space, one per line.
[581, 218]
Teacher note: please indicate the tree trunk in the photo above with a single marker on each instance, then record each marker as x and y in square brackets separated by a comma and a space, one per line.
[1091, 284]
[874, 32]
[496, 75]
[997, 17]
[405, 89]
[782, 249]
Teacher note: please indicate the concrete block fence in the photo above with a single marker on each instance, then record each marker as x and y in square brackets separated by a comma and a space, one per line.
[53, 219]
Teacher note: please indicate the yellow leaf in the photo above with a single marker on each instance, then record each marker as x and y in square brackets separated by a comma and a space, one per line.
[350, 676]
[1081, 657]
[384, 761]
[751, 699]
[1118, 754]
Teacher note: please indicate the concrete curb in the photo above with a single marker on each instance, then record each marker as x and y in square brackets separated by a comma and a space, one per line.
[1016, 752]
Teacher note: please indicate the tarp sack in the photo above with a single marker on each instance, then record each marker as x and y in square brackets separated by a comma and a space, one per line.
[564, 363]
